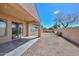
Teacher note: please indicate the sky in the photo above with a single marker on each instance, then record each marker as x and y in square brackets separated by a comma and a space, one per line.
[48, 11]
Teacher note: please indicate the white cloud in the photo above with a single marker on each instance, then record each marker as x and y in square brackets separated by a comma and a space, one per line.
[56, 12]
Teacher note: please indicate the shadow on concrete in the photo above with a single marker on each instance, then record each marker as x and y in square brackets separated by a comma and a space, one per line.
[11, 45]
[74, 43]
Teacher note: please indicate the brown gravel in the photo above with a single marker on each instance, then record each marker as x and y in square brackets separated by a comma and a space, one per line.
[52, 45]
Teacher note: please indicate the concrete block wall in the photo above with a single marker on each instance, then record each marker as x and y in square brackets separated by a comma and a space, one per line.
[70, 33]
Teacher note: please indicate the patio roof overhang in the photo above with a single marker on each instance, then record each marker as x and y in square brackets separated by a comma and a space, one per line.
[17, 11]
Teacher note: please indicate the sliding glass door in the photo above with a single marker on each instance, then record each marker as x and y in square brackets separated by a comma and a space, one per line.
[17, 30]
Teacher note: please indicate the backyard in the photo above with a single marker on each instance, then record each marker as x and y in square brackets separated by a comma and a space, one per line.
[53, 29]
[52, 45]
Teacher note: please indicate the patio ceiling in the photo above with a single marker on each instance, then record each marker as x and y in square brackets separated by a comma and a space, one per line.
[17, 11]
[30, 7]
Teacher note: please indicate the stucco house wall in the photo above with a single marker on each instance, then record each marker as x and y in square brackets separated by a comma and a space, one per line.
[19, 13]
[9, 20]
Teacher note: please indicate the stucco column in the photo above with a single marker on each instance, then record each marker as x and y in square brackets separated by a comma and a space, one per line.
[27, 29]
[39, 30]
[9, 28]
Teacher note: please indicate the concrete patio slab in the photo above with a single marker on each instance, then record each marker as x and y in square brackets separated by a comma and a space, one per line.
[11, 45]
[29, 37]
[17, 47]
[21, 49]
[52, 45]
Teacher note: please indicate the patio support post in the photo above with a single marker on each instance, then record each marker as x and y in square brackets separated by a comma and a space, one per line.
[39, 30]
[27, 29]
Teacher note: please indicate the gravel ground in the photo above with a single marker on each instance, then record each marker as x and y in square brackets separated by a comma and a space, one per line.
[52, 45]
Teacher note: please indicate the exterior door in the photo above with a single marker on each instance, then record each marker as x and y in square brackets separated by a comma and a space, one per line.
[17, 30]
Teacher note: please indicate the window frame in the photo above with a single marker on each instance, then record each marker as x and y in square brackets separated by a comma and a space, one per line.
[5, 21]
[33, 28]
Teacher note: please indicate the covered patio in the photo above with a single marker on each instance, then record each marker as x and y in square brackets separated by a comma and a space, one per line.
[19, 27]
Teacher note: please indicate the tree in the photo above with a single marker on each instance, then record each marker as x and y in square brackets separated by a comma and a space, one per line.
[67, 19]
[43, 27]
[54, 27]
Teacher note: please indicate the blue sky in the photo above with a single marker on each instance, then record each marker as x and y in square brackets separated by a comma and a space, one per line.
[47, 11]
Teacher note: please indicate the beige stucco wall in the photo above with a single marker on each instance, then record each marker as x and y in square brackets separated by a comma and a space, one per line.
[33, 33]
[10, 19]
[7, 37]
[30, 7]
[21, 13]
[71, 33]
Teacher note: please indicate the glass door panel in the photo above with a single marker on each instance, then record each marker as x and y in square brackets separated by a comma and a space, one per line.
[17, 30]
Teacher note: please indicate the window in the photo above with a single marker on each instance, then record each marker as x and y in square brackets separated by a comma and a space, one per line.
[2, 27]
[33, 28]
